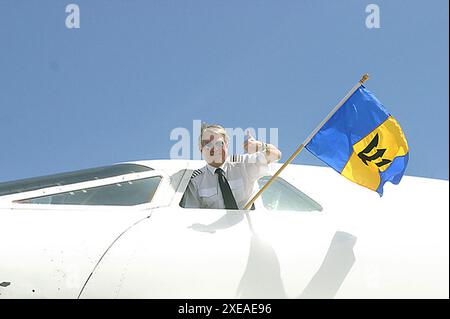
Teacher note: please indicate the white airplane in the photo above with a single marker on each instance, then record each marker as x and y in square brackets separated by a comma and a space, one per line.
[119, 232]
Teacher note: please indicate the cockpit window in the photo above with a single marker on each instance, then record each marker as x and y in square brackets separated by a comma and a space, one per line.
[280, 195]
[30, 184]
[127, 193]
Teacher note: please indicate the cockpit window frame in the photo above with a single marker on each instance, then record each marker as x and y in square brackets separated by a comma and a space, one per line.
[157, 199]
[70, 178]
[93, 190]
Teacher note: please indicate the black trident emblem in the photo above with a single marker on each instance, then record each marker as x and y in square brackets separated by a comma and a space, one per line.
[378, 154]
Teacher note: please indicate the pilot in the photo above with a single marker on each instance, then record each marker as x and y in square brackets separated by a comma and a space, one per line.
[227, 182]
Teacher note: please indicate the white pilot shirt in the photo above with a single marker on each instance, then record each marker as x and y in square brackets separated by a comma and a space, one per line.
[241, 171]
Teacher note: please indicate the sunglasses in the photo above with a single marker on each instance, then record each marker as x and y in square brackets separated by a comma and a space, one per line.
[215, 145]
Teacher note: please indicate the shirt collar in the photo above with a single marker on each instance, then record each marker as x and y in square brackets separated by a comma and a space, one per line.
[212, 169]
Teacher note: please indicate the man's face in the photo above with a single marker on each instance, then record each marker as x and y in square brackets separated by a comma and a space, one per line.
[213, 148]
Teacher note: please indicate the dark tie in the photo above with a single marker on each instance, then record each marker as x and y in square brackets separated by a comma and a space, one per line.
[228, 198]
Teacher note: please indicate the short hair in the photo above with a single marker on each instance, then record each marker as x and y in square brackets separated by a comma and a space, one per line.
[215, 128]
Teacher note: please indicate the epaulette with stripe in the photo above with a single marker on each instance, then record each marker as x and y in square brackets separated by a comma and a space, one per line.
[236, 158]
[196, 173]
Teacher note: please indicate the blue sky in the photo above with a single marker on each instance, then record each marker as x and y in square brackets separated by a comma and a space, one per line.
[115, 88]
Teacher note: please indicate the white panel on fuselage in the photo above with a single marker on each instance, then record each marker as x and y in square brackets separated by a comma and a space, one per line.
[51, 253]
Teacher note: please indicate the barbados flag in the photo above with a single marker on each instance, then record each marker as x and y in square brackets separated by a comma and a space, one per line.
[363, 142]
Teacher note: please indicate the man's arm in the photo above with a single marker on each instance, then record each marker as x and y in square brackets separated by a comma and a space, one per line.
[270, 151]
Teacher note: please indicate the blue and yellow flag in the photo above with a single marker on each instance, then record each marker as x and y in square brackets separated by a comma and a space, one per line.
[363, 142]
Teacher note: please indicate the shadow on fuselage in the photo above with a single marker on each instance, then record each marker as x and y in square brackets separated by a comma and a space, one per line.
[262, 275]
[335, 267]
[228, 220]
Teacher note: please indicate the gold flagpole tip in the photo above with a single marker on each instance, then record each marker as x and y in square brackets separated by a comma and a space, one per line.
[364, 78]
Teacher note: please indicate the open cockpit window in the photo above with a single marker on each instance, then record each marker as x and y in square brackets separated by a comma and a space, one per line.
[280, 195]
[35, 183]
[128, 193]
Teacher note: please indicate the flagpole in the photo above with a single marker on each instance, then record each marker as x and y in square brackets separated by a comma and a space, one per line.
[364, 78]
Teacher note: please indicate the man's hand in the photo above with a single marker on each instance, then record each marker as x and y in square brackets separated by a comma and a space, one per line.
[251, 145]
[271, 153]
